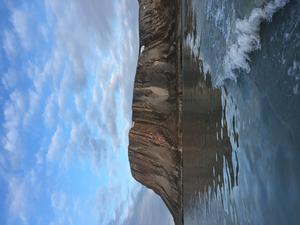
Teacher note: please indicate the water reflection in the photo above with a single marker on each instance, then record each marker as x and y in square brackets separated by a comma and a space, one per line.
[207, 151]
[241, 142]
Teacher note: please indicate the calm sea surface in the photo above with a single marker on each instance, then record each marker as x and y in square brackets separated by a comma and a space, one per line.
[241, 113]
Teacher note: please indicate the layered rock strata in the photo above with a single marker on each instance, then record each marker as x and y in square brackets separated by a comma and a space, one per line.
[154, 140]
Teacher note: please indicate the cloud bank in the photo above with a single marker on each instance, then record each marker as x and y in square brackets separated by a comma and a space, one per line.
[66, 83]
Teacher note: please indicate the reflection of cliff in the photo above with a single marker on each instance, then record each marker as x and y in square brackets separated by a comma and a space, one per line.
[205, 143]
[154, 154]
[206, 146]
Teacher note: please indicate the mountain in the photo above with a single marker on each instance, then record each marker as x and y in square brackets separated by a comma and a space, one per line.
[155, 152]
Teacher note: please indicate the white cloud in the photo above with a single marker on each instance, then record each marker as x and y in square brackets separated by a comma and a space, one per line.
[39, 157]
[80, 102]
[101, 50]
[17, 201]
[35, 75]
[9, 44]
[23, 191]
[63, 91]
[69, 209]
[82, 143]
[62, 220]
[17, 100]
[50, 111]
[43, 32]
[9, 79]
[19, 19]
[13, 110]
[146, 208]
[11, 142]
[93, 64]
[55, 144]
[58, 201]
[34, 99]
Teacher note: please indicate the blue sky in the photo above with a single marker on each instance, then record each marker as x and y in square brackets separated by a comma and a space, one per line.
[67, 71]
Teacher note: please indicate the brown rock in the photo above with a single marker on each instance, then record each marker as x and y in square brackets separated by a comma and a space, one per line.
[154, 141]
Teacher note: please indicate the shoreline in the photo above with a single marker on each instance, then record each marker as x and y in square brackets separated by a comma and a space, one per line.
[180, 97]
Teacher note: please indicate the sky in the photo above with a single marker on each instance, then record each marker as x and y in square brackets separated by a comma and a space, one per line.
[67, 71]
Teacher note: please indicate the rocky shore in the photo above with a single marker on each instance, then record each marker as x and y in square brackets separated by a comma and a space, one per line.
[155, 141]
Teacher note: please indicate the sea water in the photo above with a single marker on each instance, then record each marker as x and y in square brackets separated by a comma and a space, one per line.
[241, 112]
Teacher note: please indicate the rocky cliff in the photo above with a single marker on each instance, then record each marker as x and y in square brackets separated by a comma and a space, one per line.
[154, 141]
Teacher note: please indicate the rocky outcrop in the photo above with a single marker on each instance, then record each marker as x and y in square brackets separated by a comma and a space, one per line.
[154, 141]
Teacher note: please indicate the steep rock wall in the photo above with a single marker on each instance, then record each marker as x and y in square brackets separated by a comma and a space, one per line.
[154, 140]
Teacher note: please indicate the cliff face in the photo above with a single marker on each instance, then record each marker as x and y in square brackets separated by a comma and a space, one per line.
[154, 155]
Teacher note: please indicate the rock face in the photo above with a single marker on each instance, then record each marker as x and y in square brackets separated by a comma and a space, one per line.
[154, 141]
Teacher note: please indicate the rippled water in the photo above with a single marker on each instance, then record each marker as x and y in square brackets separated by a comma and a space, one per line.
[241, 136]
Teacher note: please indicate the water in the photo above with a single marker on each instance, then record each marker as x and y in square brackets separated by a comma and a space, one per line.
[241, 134]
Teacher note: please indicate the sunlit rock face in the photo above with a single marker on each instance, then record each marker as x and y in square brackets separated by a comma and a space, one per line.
[154, 140]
